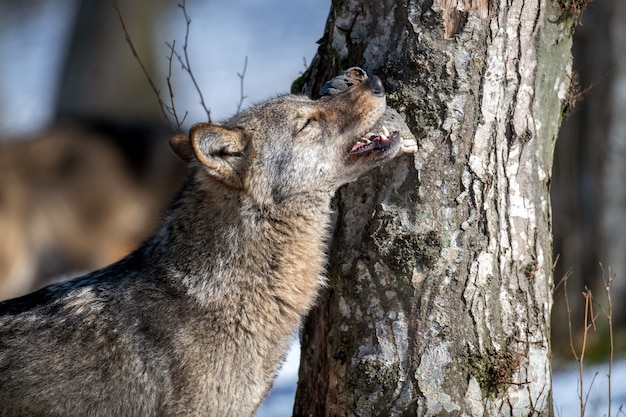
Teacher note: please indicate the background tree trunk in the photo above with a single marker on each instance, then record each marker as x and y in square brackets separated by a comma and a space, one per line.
[440, 268]
[612, 157]
[583, 192]
[101, 77]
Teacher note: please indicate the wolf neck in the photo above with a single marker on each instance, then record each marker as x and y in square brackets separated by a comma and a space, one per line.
[232, 248]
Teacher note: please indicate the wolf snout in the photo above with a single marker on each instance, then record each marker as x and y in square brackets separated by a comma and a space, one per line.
[376, 85]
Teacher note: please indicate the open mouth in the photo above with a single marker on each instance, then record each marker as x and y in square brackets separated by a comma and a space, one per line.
[381, 142]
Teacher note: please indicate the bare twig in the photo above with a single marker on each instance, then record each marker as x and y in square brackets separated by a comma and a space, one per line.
[164, 108]
[569, 313]
[172, 107]
[609, 316]
[583, 404]
[559, 411]
[571, 343]
[242, 76]
[185, 63]
[555, 291]
[589, 322]
[533, 407]
[576, 93]
[168, 111]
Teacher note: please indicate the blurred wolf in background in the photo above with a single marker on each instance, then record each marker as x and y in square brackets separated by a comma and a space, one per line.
[197, 320]
[79, 196]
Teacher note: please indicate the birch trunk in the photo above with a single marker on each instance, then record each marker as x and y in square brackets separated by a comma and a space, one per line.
[440, 268]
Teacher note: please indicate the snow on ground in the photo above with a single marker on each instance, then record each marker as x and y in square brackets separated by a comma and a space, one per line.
[280, 401]
[564, 389]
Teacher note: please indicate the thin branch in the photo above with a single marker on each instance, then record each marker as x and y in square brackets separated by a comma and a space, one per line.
[609, 316]
[595, 375]
[172, 108]
[186, 64]
[588, 317]
[242, 76]
[569, 314]
[555, 291]
[164, 107]
[589, 321]
[534, 409]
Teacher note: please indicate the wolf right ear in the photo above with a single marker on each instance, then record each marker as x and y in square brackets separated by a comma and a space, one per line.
[221, 150]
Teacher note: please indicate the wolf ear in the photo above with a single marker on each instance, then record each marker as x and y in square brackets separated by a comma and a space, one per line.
[181, 145]
[220, 149]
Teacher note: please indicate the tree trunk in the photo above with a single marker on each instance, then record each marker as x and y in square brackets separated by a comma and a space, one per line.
[440, 268]
[613, 216]
[101, 77]
[579, 180]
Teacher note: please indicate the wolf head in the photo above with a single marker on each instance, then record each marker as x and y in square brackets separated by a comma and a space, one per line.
[291, 146]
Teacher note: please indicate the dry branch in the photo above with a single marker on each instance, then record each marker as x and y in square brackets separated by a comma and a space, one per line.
[185, 63]
[168, 111]
[242, 76]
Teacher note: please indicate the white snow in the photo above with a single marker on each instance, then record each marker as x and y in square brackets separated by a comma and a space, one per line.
[565, 387]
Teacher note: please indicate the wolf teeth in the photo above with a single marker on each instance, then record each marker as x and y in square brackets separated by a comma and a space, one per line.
[384, 134]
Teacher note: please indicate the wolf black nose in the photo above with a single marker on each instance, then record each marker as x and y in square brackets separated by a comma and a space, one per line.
[376, 85]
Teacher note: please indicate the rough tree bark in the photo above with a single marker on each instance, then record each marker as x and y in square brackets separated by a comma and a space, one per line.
[440, 267]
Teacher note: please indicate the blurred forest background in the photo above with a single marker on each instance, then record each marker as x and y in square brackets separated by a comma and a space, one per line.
[85, 170]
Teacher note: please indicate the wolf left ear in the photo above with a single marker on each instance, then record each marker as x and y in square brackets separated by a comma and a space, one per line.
[181, 145]
[220, 149]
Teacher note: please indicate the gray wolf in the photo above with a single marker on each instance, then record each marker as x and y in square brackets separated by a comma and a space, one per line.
[197, 320]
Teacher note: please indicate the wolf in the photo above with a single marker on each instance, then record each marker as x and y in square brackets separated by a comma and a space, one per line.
[197, 320]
